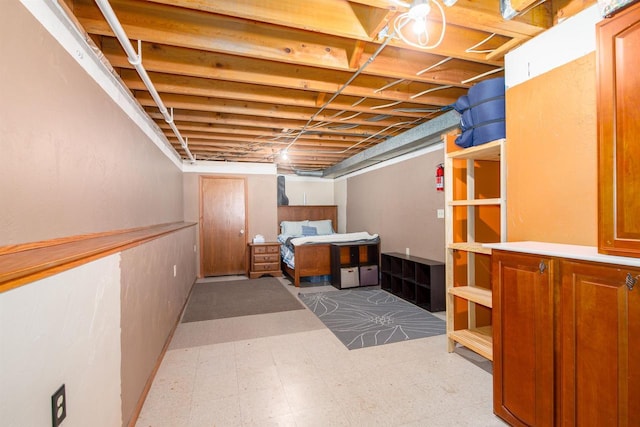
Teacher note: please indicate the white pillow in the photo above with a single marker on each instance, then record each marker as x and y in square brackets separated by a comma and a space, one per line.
[323, 226]
[292, 228]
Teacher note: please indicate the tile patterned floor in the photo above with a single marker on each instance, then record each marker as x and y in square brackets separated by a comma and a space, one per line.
[287, 369]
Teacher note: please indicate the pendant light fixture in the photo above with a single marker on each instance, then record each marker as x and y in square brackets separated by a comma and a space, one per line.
[413, 26]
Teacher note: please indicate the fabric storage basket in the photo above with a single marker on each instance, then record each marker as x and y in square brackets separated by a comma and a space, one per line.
[368, 275]
[349, 277]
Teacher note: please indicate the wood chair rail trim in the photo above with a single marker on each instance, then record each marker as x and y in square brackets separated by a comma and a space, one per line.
[26, 263]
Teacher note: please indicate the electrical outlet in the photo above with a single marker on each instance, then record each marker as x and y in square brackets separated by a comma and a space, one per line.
[440, 213]
[58, 406]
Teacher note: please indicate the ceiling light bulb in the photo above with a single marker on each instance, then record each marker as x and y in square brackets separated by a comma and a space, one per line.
[419, 26]
[283, 155]
[419, 9]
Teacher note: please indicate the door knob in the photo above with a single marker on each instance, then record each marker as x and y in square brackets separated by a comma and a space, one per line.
[242, 231]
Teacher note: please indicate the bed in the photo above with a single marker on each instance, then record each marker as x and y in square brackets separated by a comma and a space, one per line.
[312, 259]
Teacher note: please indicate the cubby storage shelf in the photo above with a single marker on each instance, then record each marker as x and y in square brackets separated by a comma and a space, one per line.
[417, 280]
[355, 264]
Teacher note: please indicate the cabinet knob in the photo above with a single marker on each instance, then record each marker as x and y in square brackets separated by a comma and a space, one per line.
[542, 267]
[631, 281]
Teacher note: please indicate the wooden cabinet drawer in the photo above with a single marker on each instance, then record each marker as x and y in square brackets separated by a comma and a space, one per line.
[266, 249]
[266, 267]
[265, 258]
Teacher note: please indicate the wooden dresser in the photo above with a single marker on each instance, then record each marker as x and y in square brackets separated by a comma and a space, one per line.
[264, 258]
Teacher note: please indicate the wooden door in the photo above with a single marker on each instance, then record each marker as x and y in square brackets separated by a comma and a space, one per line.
[223, 240]
[523, 340]
[600, 343]
[618, 130]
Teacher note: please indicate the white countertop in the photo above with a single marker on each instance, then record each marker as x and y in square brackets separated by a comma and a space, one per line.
[585, 253]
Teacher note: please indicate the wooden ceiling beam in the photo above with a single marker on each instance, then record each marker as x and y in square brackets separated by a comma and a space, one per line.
[313, 154]
[196, 86]
[372, 19]
[223, 138]
[207, 65]
[210, 32]
[193, 29]
[227, 106]
[252, 121]
[334, 17]
[203, 130]
[188, 62]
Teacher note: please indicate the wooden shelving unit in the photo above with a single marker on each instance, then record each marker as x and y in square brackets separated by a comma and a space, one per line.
[475, 193]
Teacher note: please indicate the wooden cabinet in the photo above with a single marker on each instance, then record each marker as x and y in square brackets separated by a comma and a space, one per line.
[355, 264]
[475, 194]
[264, 258]
[417, 280]
[523, 338]
[600, 344]
[566, 336]
[618, 50]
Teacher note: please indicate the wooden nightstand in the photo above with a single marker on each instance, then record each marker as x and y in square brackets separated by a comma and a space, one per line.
[264, 258]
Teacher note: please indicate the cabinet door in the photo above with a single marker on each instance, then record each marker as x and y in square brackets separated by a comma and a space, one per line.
[523, 302]
[618, 130]
[600, 343]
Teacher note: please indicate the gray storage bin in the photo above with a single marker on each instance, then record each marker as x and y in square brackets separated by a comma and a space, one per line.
[368, 275]
[349, 277]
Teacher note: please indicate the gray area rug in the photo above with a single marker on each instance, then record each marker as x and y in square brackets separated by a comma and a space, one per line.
[363, 318]
[218, 300]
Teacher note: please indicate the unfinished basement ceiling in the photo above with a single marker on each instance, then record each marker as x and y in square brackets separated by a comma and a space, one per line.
[245, 77]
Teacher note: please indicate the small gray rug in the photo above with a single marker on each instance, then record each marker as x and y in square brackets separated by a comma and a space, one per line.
[218, 300]
[363, 318]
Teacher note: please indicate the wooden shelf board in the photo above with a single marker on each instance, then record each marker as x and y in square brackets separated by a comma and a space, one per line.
[473, 293]
[22, 264]
[479, 340]
[476, 202]
[474, 247]
[488, 151]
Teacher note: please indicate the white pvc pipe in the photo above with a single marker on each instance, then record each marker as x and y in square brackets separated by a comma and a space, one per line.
[135, 59]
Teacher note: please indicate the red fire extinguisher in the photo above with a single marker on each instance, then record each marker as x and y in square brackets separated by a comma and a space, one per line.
[440, 177]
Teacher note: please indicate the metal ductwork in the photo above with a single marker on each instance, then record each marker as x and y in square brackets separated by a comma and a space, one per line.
[422, 136]
[509, 12]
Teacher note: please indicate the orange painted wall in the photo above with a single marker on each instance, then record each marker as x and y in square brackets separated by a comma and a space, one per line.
[552, 156]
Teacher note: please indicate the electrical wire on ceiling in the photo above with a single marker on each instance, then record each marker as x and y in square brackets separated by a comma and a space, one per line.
[388, 85]
[431, 67]
[342, 88]
[391, 104]
[480, 43]
[479, 76]
[433, 89]
[417, 14]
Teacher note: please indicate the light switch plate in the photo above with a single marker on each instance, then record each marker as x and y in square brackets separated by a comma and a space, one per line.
[440, 213]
